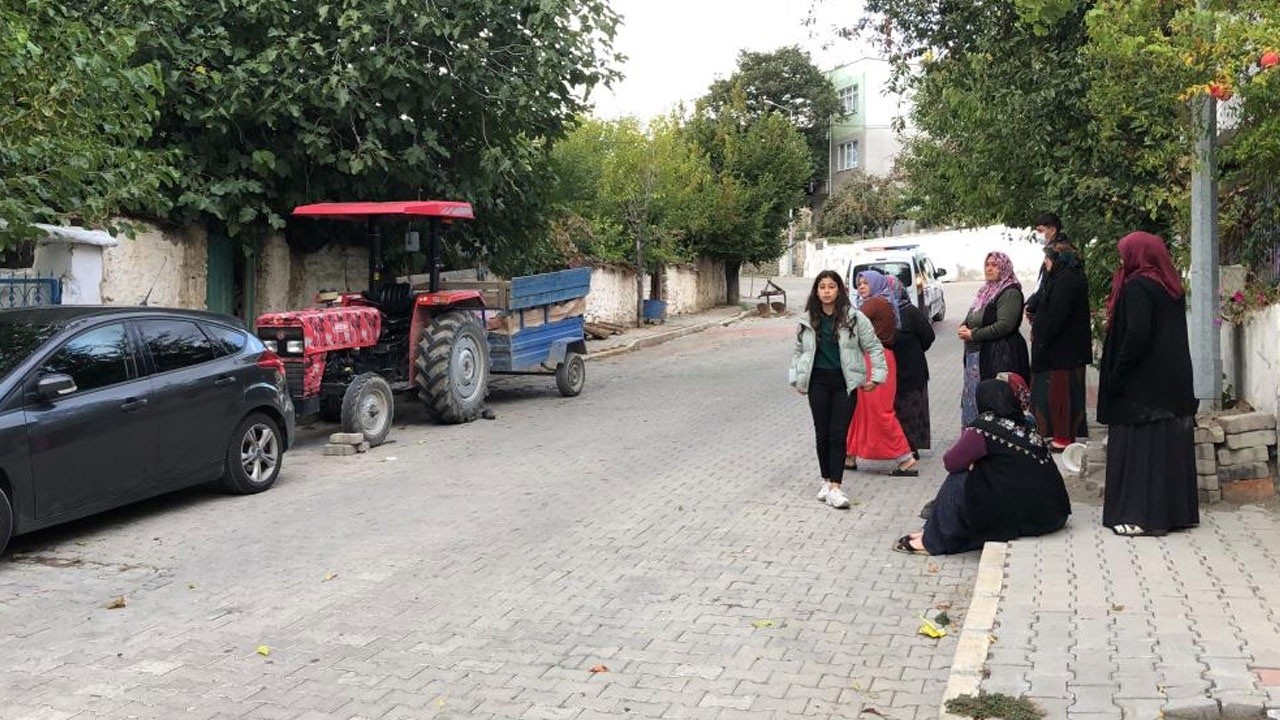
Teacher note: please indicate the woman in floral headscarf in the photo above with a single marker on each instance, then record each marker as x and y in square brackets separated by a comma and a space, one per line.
[992, 340]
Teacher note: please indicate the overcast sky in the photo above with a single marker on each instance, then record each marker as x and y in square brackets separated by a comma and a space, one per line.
[677, 48]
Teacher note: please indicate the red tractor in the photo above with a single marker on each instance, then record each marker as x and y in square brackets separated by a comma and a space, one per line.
[347, 359]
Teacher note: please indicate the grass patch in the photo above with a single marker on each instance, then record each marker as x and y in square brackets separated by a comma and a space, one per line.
[994, 705]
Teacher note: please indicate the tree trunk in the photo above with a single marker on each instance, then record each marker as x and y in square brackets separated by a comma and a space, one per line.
[731, 272]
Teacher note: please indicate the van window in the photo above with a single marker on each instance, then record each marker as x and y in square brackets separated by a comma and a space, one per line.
[901, 270]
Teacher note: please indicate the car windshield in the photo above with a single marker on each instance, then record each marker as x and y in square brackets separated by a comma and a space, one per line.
[19, 338]
[901, 270]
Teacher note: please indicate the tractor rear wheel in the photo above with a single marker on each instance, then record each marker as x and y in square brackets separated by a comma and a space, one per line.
[368, 407]
[453, 367]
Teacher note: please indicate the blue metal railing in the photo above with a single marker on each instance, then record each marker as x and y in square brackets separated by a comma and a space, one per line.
[26, 291]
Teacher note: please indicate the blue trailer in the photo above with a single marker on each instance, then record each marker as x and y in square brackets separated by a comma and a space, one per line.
[535, 324]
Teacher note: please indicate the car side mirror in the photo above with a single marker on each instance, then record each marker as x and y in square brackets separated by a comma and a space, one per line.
[939, 272]
[52, 387]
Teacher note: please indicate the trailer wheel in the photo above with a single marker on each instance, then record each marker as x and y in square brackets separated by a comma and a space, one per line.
[368, 407]
[453, 367]
[571, 375]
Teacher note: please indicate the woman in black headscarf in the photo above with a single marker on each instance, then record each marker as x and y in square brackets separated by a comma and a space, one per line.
[1003, 483]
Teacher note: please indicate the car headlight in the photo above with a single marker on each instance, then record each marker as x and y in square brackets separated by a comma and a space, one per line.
[271, 345]
[294, 347]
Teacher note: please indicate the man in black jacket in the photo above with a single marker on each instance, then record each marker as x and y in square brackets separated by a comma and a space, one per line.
[1048, 231]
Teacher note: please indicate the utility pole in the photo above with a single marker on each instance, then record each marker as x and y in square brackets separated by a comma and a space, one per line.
[1206, 348]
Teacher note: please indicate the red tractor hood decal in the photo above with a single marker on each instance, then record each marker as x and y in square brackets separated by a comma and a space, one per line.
[326, 329]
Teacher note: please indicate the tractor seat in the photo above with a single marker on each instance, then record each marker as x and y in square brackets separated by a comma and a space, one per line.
[395, 299]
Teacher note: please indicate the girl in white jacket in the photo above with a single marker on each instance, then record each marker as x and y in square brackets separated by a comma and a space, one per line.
[828, 365]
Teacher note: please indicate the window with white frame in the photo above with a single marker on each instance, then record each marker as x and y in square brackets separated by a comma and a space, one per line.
[847, 156]
[849, 100]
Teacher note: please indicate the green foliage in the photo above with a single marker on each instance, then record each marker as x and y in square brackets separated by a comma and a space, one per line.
[864, 204]
[618, 182]
[759, 169]
[994, 705]
[75, 114]
[1084, 107]
[783, 81]
[271, 103]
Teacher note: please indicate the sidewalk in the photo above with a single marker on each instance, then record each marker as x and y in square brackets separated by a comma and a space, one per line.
[1087, 624]
[674, 327]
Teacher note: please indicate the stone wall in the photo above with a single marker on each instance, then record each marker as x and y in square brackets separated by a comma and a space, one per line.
[289, 279]
[1232, 456]
[174, 260]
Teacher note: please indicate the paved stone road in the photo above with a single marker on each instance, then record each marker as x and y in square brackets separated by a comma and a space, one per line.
[662, 525]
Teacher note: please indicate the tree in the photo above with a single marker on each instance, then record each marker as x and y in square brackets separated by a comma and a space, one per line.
[271, 103]
[864, 204]
[1078, 107]
[759, 169]
[74, 118]
[786, 81]
[629, 183]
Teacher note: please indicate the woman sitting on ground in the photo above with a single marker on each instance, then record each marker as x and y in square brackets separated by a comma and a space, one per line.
[1002, 482]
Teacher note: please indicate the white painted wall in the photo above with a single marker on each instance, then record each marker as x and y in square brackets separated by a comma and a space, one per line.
[612, 297]
[175, 262]
[77, 267]
[1254, 372]
[694, 288]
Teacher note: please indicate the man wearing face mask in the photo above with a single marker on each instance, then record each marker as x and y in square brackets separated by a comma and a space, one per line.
[1048, 231]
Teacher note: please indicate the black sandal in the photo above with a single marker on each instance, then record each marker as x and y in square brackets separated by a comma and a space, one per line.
[912, 471]
[903, 545]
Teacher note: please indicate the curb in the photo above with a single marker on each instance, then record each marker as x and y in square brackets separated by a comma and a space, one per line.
[659, 338]
[975, 639]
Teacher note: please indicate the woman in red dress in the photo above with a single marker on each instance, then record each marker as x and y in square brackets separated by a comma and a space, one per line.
[875, 433]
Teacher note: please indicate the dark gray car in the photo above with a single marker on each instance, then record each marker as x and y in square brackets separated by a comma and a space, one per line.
[101, 406]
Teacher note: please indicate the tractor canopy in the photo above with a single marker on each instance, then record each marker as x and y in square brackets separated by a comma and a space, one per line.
[443, 209]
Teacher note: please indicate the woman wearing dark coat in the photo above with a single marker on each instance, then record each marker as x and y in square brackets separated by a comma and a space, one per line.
[1146, 396]
[911, 405]
[1061, 347]
[993, 342]
[1002, 483]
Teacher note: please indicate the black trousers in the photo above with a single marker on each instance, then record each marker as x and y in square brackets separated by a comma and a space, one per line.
[832, 406]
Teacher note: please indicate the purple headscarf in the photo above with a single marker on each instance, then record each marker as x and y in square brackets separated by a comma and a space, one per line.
[881, 287]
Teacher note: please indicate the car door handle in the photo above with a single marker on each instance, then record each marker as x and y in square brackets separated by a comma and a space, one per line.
[225, 380]
[133, 404]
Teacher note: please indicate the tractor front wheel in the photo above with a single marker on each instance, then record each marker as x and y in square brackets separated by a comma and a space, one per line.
[368, 407]
[453, 367]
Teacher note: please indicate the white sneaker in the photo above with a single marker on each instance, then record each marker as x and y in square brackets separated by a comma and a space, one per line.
[824, 492]
[837, 499]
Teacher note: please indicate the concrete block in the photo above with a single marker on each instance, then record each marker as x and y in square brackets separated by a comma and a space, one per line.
[1206, 467]
[346, 438]
[1249, 491]
[1206, 451]
[1248, 471]
[1246, 422]
[1208, 497]
[1209, 434]
[1251, 438]
[1192, 709]
[362, 447]
[1256, 454]
[339, 449]
[1208, 482]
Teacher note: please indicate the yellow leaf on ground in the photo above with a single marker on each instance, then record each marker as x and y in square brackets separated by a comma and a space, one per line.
[762, 624]
[116, 604]
[263, 650]
[330, 576]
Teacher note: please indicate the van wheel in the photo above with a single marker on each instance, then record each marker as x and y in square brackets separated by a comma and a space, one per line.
[6, 521]
[942, 314]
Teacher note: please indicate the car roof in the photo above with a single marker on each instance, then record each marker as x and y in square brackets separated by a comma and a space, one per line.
[73, 314]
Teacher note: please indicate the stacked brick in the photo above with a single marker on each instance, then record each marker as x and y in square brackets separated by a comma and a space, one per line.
[1233, 453]
[346, 444]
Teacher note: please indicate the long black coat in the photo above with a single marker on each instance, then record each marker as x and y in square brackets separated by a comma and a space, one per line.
[1060, 337]
[914, 338]
[1145, 373]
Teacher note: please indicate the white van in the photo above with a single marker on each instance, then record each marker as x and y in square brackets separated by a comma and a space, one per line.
[913, 269]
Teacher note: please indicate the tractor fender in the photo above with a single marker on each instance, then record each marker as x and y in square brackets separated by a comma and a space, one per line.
[560, 349]
[429, 305]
